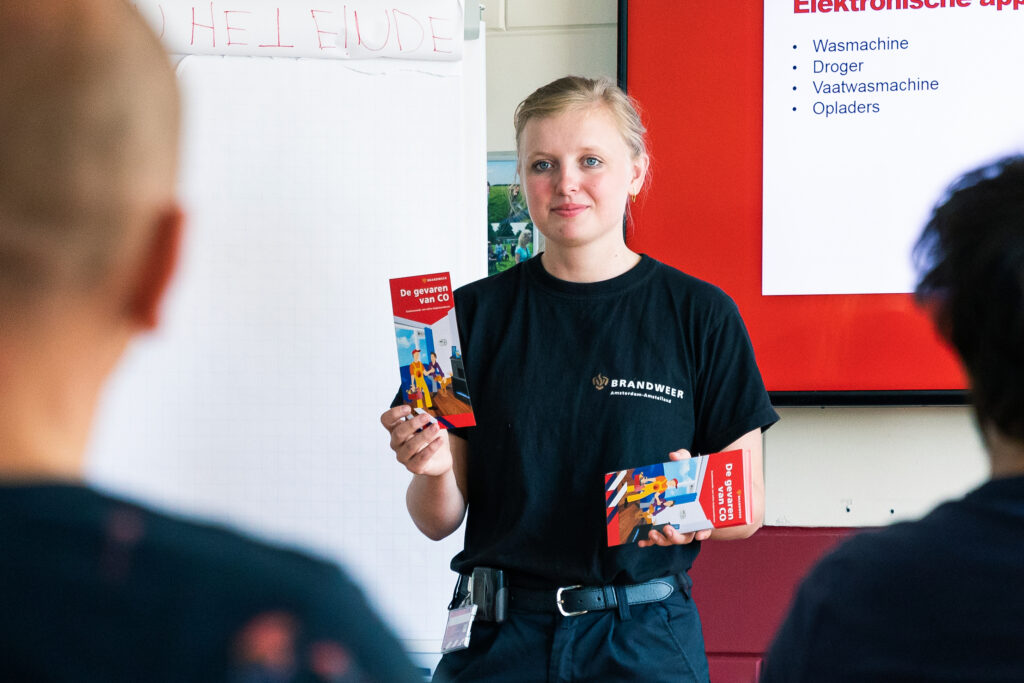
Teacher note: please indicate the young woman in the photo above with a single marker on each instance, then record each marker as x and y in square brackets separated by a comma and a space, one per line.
[523, 245]
[582, 315]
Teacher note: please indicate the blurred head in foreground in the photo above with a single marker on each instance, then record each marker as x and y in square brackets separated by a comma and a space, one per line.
[95, 586]
[971, 262]
[89, 223]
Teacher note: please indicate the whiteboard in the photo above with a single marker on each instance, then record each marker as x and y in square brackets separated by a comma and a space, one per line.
[308, 184]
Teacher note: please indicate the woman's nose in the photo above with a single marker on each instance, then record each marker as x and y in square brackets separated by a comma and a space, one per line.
[568, 180]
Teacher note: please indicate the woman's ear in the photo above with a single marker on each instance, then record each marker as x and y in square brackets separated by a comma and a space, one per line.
[638, 171]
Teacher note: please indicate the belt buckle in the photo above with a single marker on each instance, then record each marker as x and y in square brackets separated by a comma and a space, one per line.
[558, 601]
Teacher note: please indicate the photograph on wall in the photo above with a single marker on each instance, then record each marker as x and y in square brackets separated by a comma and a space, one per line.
[511, 237]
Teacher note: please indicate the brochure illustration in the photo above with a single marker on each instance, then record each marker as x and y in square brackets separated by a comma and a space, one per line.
[703, 492]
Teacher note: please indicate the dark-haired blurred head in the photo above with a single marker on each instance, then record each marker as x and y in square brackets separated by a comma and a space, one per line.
[970, 260]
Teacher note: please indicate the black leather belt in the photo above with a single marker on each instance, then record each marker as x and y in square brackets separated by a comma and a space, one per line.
[573, 600]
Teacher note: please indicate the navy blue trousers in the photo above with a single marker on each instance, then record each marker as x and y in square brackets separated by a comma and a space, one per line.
[658, 642]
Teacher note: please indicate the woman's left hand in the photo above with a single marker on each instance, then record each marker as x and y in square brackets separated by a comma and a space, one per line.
[668, 534]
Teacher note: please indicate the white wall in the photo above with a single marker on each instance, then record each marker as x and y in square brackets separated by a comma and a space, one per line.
[532, 42]
[868, 466]
[823, 466]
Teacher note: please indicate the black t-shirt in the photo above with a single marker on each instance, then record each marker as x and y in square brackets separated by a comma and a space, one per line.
[573, 380]
[937, 599]
[95, 588]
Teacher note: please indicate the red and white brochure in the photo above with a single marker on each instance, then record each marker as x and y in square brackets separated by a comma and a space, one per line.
[430, 366]
[704, 492]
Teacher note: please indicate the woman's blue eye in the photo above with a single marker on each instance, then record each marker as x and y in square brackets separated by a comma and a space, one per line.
[542, 166]
[591, 161]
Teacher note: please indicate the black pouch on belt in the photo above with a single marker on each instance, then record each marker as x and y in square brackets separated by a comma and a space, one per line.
[489, 593]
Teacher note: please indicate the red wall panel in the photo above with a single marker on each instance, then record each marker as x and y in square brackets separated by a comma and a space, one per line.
[743, 590]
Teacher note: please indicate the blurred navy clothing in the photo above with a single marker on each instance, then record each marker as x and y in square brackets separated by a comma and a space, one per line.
[96, 588]
[939, 599]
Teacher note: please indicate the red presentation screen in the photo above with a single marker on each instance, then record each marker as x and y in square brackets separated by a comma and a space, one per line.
[695, 67]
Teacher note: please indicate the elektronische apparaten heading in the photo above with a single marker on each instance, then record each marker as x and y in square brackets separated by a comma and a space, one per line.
[825, 6]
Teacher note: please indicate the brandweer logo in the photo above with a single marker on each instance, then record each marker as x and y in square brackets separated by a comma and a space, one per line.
[638, 388]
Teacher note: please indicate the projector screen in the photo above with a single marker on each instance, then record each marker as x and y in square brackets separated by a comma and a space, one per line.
[798, 147]
[868, 114]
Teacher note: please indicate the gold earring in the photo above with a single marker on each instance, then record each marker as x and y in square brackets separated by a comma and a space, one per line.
[633, 196]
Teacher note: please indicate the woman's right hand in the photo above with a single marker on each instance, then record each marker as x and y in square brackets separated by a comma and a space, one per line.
[437, 499]
[418, 441]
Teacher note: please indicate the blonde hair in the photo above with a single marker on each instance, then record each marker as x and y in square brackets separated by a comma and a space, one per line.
[576, 92]
[524, 236]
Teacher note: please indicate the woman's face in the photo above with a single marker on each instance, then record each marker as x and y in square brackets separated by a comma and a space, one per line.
[577, 175]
